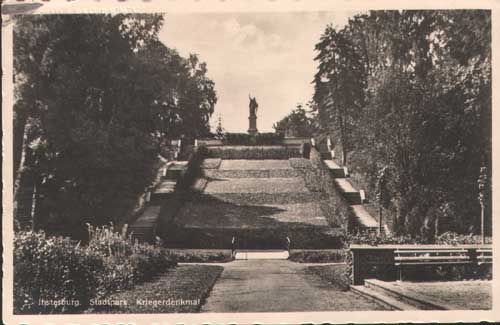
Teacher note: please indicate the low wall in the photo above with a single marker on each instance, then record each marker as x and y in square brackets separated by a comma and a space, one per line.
[379, 261]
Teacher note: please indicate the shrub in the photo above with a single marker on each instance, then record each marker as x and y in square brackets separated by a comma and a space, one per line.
[317, 256]
[193, 169]
[56, 269]
[318, 179]
[52, 268]
[202, 256]
[254, 152]
[244, 139]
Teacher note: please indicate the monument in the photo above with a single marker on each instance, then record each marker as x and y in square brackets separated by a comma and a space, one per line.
[252, 119]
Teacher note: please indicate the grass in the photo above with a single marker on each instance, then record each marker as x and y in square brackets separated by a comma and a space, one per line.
[256, 185]
[180, 290]
[333, 274]
[317, 256]
[300, 163]
[201, 255]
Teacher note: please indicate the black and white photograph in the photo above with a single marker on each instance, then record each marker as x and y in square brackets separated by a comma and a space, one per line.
[239, 161]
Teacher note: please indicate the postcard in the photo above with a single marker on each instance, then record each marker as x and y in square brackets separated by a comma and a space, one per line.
[249, 162]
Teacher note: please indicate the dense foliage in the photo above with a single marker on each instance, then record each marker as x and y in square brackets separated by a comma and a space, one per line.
[296, 124]
[55, 269]
[244, 139]
[409, 92]
[96, 97]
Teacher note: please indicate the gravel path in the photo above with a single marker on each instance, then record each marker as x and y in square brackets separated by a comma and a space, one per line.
[278, 286]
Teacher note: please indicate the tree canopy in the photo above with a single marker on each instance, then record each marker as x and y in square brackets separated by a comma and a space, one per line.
[411, 91]
[96, 97]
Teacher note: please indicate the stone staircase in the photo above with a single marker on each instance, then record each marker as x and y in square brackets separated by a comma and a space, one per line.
[258, 202]
[144, 227]
[364, 221]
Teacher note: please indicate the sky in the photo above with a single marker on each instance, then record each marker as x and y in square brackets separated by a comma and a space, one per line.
[267, 55]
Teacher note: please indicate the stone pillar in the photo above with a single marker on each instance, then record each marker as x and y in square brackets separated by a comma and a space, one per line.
[252, 121]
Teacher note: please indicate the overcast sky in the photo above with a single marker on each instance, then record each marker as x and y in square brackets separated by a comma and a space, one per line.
[269, 55]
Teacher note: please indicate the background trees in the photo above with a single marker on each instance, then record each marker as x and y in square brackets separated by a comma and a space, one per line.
[96, 95]
[296, 124]
[411, 90]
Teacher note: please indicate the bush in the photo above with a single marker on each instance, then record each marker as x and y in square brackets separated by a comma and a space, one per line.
[193, 169]
[52, 268]
[58, 269]
[317, 256]
[318, 179]
[259, 139]
[202, 255]
[255, 152]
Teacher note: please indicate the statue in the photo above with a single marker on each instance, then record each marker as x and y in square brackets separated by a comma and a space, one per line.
[253, 106]
[252, 119]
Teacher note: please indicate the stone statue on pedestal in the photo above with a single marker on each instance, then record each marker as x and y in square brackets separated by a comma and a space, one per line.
[252, 119]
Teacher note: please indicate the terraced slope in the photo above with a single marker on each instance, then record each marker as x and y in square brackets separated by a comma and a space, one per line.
[258, 202]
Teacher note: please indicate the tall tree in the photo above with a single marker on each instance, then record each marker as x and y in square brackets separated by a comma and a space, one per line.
[95, 96]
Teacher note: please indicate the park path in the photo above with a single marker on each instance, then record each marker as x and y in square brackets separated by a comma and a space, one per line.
[278, 286]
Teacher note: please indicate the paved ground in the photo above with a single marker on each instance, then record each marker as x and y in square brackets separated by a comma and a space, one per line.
[277, 285]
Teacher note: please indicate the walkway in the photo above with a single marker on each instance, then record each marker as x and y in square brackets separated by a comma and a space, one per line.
[278, 286]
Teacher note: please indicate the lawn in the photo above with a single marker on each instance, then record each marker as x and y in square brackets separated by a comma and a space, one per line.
[317, 255]
[179, 290]
[335, 274]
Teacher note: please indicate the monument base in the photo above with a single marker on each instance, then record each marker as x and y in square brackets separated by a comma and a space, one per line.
[253, 131]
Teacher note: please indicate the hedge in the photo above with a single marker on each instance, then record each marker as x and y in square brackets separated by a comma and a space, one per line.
[318, 179]
[68, 275]
[255, 152]
[245, 139]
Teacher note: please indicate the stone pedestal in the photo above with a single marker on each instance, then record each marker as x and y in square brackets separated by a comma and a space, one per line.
[252, 121]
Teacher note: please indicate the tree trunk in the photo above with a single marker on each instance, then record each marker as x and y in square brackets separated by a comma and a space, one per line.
[21, 167]
[33, 208]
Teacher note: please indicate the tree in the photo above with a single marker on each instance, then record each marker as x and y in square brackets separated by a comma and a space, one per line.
[219, 130]
[412, 90]
[96, 95]
[296, 124]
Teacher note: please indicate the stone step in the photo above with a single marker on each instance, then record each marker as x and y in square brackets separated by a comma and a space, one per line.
[175, 170]
[352, 195]
[261, 255]
[268, 198]
[364, 218]
[251, 173]
[166, 186]
[382, 299]
[336, 170]
[173, 174]
[388, 289]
